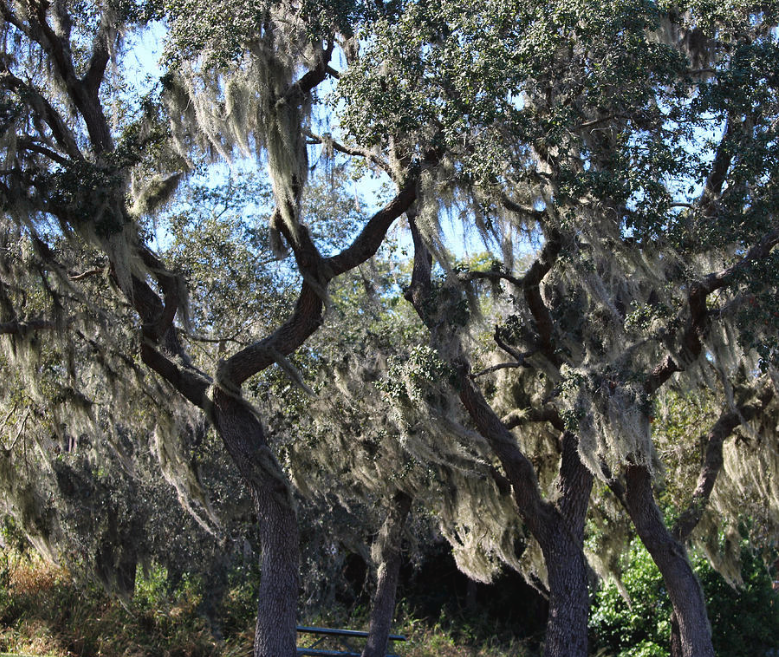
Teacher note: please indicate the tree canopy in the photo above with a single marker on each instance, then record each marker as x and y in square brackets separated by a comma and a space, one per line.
[617, 163]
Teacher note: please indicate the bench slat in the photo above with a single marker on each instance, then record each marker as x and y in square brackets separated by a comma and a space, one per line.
[318, 652]
[332, 632]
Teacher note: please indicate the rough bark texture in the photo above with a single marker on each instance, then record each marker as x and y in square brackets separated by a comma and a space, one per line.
[567, 621]
[562, 545]
[243, 436]
[558, 527]
[675, 647]
[670, 557]
[390, 561]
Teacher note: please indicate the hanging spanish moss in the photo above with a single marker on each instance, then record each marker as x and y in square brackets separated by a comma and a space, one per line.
[251, 104]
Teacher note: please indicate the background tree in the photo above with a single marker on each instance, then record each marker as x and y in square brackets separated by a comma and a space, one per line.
[368, 444]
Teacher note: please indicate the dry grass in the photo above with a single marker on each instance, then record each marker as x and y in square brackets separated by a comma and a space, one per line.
[43, 613]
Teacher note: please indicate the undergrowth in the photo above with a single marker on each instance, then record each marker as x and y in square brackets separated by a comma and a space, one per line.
[45, 613]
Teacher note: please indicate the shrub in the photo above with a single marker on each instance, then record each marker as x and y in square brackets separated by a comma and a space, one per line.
[744, 622]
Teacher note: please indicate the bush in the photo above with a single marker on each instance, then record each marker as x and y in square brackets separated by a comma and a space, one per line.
[641, 627]
[744, 622]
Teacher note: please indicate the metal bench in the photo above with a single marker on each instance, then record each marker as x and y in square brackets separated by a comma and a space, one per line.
[340, 637]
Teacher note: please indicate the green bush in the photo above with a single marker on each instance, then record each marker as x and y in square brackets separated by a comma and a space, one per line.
[744, 622]
[641, 628]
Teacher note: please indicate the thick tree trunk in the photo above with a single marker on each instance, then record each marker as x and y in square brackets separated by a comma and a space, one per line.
[562, 545]
[670, 557]
[567, 619]
[242, 433]
[390, 561]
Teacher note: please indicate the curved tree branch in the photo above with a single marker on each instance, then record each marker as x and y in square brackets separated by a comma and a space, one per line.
[83, 93]
[720, 167]
[96, 69]
[310, 80]
[712, 461]
[533, 296]
[366, 244]
[517, 468]
[692, 341]
[307, 315]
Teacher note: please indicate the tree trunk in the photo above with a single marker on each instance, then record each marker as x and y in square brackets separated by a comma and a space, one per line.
[243, 436]
[558, 526]
[390, 560]
[675, 648]
[712, 463]
[567, 619]
[670, 557]
[561, 541]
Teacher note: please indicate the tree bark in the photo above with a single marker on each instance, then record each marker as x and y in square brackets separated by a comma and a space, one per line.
[675, 646]
[237, 423]
[560, 530]
[390, 561]
[669, 555]
[562, 546]
[558, 526]
[566, 634]
[243, 436]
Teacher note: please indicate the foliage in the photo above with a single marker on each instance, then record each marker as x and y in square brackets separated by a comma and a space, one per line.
[744, 620]
[47, 614]
[619, 626]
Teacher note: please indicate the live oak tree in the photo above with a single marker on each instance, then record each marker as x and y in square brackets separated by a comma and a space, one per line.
[90, 446]
[82, 165]
[715, 488]
[636, 143]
